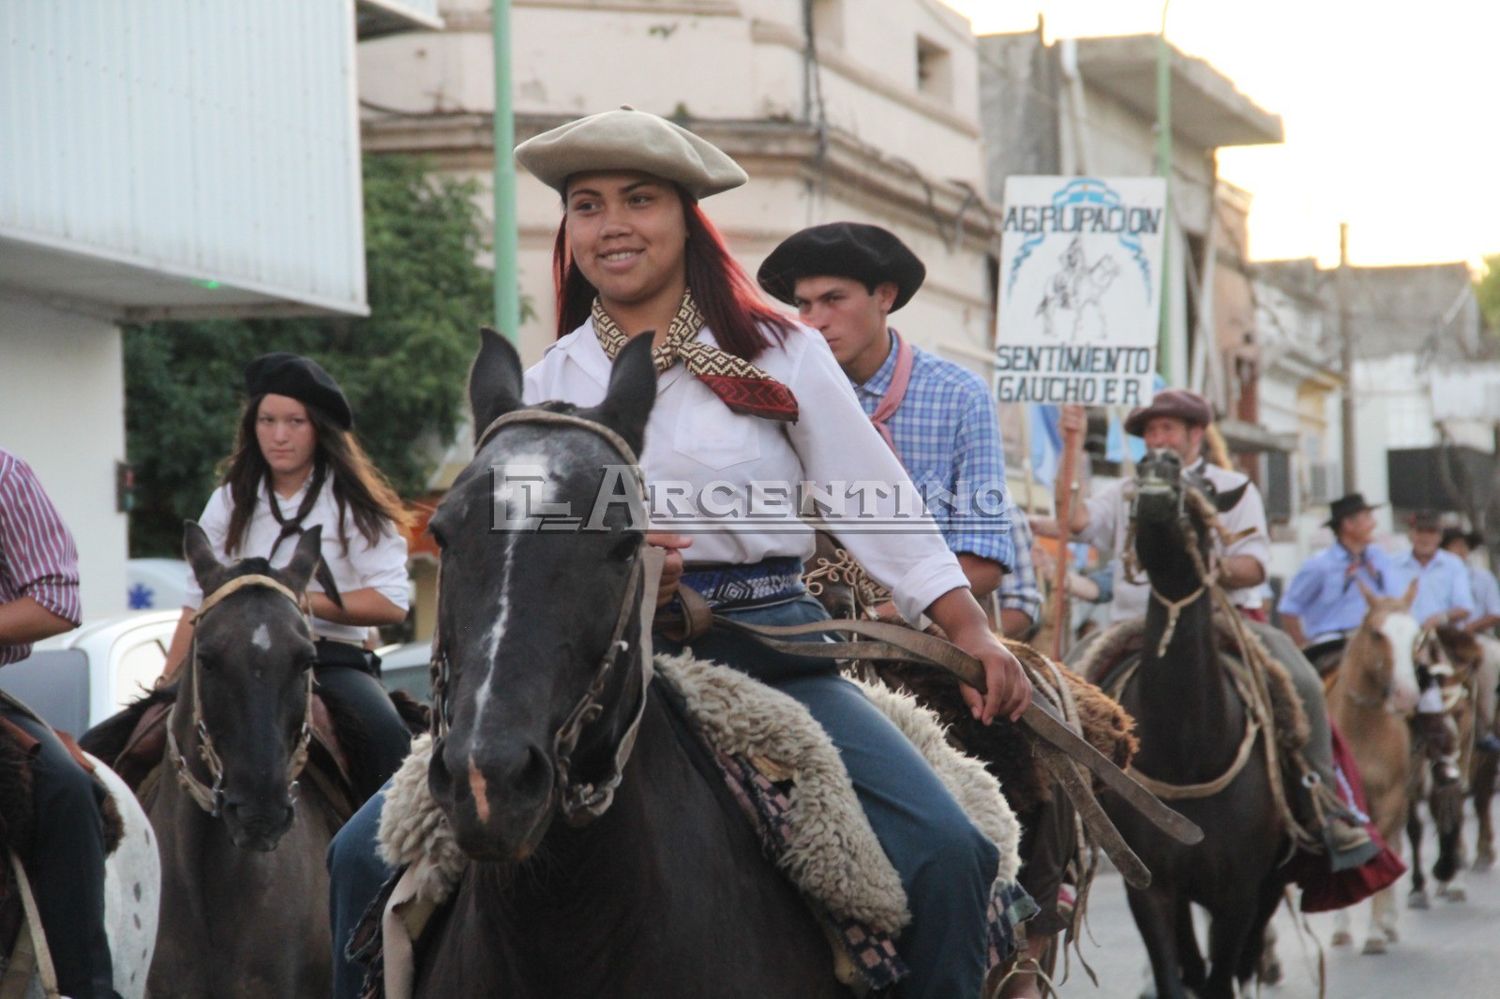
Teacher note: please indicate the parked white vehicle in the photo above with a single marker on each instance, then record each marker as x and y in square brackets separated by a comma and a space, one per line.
[156, 583]
[80, 678]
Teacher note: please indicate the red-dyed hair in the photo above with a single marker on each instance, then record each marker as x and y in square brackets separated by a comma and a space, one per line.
[743, 324]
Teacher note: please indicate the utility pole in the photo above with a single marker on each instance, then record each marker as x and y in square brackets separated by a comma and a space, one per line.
[1165, 362]
[1346, 357]
[503, 208]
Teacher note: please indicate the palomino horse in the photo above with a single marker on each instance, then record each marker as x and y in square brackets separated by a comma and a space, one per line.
[1373, 691]
[1193, 728]
[1451, 657]
[652, 884]
[245, 895]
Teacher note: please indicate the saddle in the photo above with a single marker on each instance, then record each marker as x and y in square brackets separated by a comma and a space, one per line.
[786, 777]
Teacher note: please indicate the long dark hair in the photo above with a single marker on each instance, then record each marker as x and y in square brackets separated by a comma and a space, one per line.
[358, 486]
[743, 324]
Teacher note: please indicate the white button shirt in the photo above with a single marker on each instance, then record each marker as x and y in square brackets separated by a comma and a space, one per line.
[692, 438]
[1109, 522]
[380, 567]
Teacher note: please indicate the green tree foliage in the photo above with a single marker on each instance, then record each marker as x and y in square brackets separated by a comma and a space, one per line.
[1487, 290]
[403, 367]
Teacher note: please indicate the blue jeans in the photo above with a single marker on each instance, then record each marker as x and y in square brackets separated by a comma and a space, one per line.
[945, 863]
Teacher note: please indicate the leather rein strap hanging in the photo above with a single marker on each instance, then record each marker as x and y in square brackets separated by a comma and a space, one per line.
[580, 801]
[210, 797]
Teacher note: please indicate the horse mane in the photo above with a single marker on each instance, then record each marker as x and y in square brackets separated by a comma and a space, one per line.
[107, 739]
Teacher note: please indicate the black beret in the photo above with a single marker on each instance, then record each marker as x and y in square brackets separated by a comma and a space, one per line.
[866, 253]
[302, 379]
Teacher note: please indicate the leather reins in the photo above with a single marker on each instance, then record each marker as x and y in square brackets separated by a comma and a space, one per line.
[210, 797]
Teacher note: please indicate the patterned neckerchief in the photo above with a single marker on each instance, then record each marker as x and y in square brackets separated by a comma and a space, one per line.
[741, 386]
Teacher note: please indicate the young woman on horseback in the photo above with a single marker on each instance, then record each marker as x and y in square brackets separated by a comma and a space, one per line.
[747, 397]
[296, 463]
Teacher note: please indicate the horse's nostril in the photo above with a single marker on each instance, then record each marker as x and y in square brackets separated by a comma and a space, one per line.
[534, 775]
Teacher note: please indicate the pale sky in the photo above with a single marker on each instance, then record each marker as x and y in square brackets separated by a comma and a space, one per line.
[1386, 106]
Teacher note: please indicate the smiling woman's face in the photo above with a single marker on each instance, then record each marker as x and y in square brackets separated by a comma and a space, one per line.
[628, 235]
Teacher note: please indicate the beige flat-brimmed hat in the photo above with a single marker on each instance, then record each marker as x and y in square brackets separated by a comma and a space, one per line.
[628, 139]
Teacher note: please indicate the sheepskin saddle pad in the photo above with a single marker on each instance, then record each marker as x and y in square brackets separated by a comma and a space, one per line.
[1111, 659]
[788, 779]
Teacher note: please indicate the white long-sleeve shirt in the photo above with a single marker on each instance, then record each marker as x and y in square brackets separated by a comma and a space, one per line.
[695, 443]
[380, 567]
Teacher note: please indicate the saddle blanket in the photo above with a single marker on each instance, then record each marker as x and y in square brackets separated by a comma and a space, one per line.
[789, 781]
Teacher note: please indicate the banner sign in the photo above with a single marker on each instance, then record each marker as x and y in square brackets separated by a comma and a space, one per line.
[1080, 287]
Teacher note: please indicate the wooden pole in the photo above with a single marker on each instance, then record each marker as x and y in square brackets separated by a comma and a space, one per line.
[1062, 503]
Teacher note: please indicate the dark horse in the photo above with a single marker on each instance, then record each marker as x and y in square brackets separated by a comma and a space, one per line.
[244, 908]
[653, 885]
[1190, 722]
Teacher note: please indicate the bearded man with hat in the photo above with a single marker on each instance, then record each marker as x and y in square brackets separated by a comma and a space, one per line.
[1177, 420]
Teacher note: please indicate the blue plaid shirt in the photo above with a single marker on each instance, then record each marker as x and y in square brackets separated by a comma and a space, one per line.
[947, 435]
[1018, 589]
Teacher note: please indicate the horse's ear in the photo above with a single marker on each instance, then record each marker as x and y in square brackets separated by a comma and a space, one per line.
[199, 552]
[1366, 592]
[494, 380]
[1224, 502]
[632, 392]
[1410, 596]
[305, 559]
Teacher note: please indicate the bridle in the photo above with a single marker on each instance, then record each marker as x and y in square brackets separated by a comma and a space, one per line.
[579, 801]
[210, 797]
[1206, 571]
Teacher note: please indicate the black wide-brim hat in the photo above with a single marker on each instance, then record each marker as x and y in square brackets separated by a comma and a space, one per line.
[299, 378]
[866, 253]
[1347, 506]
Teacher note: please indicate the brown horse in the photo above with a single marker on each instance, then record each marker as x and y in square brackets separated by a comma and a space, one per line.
[597, 869]
[1373, 691]
[1451, 657]
[244, 907]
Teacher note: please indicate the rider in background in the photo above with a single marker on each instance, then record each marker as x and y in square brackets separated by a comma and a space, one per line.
[65, 855]
[1177, 421]
[1443, 598]
[296, 463]
[1323, 603]
[1486, 592]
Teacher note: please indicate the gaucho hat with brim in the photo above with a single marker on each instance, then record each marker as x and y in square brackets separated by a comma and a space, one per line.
[866, 253]
[627, 139]
[1180, 404]
[1347, 506]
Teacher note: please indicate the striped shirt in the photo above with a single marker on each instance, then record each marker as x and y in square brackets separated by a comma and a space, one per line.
[37, 555]
[947, 435]
[1018, 588]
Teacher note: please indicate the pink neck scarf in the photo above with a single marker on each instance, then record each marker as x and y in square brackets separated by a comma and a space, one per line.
[891, 401]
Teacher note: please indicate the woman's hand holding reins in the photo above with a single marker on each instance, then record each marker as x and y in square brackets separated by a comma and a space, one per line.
[1007, 689]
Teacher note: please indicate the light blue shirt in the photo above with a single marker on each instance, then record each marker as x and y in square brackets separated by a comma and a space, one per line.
[1486, 591]
[1325, 596]
[1442, 584]
[947, 435]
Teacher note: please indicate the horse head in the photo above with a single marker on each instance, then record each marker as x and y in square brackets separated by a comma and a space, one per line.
[1381, 655]
[541, 542]
[249, 685]
[1172, 512]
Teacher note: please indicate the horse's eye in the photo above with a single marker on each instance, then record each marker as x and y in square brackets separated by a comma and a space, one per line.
[625, 548]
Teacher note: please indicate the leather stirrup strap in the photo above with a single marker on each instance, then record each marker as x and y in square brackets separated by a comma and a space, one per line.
[31, 953]
[902, 644]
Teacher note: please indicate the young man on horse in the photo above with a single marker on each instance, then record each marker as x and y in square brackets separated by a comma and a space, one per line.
[845, 279]
[1177, 420]
[1486, 592]
[1443, 598]
[65, 856]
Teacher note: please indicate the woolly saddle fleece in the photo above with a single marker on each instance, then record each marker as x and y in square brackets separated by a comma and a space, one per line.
[834, 857]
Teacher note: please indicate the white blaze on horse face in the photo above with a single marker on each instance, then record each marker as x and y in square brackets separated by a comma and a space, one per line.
[524, 488]
[261, 637]
[1401, 630]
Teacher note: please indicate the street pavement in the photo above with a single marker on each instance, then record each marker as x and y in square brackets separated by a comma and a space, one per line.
[1451, 951]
